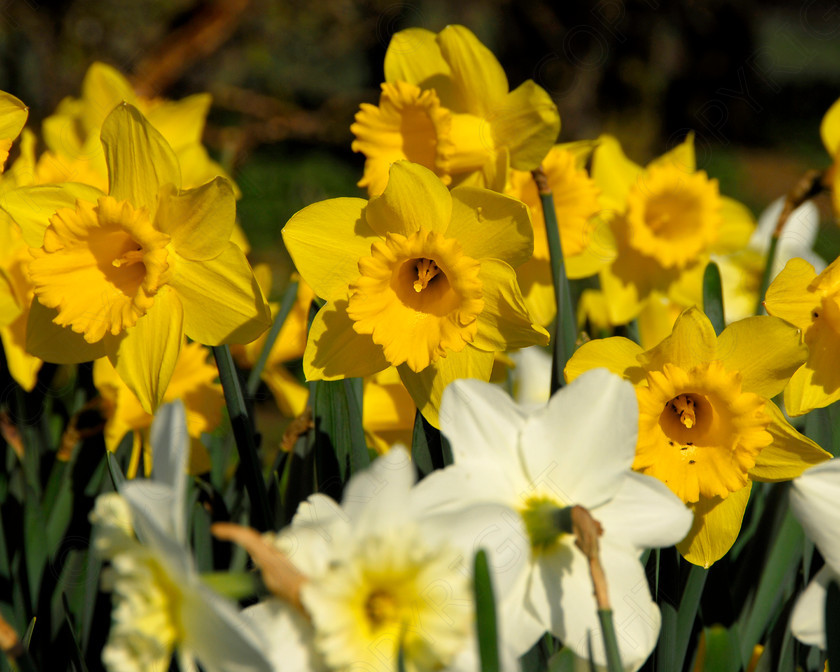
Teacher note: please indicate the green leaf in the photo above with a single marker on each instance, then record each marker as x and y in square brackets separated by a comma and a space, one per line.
[562, 661]
[713, 297]
[35, 545]
[79, 658]
[721, 650]
[565, 324]
[286, 305]
[337, 413]
[243, 432]
[689, 603]
[485, 614]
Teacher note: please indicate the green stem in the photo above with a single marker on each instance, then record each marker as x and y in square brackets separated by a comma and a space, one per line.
[765, 276]
[235, 585]
[244, 436]
[288, 301]
[565, 327]
[610, 640]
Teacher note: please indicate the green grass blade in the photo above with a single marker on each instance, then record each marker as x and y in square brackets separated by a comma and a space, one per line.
[765, 276]
[243, 433]
[713, 297]
[80, 659]
[286, 304]
[689, 604]
[485, 614]
[565, 323]
[610, 640]
[832, 624]
[337, 413]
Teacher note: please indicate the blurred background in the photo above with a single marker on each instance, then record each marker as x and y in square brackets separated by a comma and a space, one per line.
[752, 79]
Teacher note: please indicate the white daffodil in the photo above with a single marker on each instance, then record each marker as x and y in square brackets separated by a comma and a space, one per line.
[383, 576]
[741, 271]
[576, 450]
[531, 377]
[160, 603]
[813, 499]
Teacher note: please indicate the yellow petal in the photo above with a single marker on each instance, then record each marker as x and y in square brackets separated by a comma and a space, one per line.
[736, 226]
[326, 241]
[181, 122]
[289, 395]
[22, 366]
[764, 350]
[616, 354]
[788, 296]
[139, 160]
[614, 173]
[491, 225]
[335, 351]
[414, 197]
[426, 387]
[32, 207]
[10, 309]
[692, 342]
[789, 455]
[625, 286]
[221, 298]
[830, 128]
[538, 290]
[200, 221]
[504, 323]
[814, 386]
[62, 345]
[414, 56]
[478, 78]
[147, 355]
[680, 157]
[527, 123]
[103, 88]
[13, 114]
[716, 526]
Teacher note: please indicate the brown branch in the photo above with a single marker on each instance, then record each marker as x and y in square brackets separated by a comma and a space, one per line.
[587, 530]
[199, 38]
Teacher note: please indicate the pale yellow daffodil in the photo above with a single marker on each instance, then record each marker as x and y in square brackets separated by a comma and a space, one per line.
[665, 221]
[127, 274]
[446, 105]
[707, 427]
[830, 133]
[812, 303]
[418, 278]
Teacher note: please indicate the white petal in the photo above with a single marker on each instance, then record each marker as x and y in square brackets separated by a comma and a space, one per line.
[635, 615]
[481, 421]
[518, 625]
[814, 498]
[582, 444]
[377, 497]
[290, 636]
[218, 636]
[152, 512]
[496, 529]
[531, 377]
[807, 622]
[645, 513]
[798, 235]
[465, 483]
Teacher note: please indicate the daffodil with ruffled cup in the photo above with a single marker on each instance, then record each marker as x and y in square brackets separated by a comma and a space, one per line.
[446, 105]
[707, 427]
[128, 273]
[416, 278]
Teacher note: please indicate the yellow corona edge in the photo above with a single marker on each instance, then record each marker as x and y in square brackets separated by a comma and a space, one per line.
[707, 427]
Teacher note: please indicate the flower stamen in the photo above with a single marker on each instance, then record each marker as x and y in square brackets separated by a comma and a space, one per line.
[426, 270]
[683, 406]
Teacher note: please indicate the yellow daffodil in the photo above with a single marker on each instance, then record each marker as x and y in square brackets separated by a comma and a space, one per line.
[193, 382]
[812, 303]
[387, 411]
[127, 274]
[576, 203]
[707, 427]
[666, 219]
[446, 105]
[416, 278]
[72, 133]
[13, 115]
[15, 286]
[830, 132]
